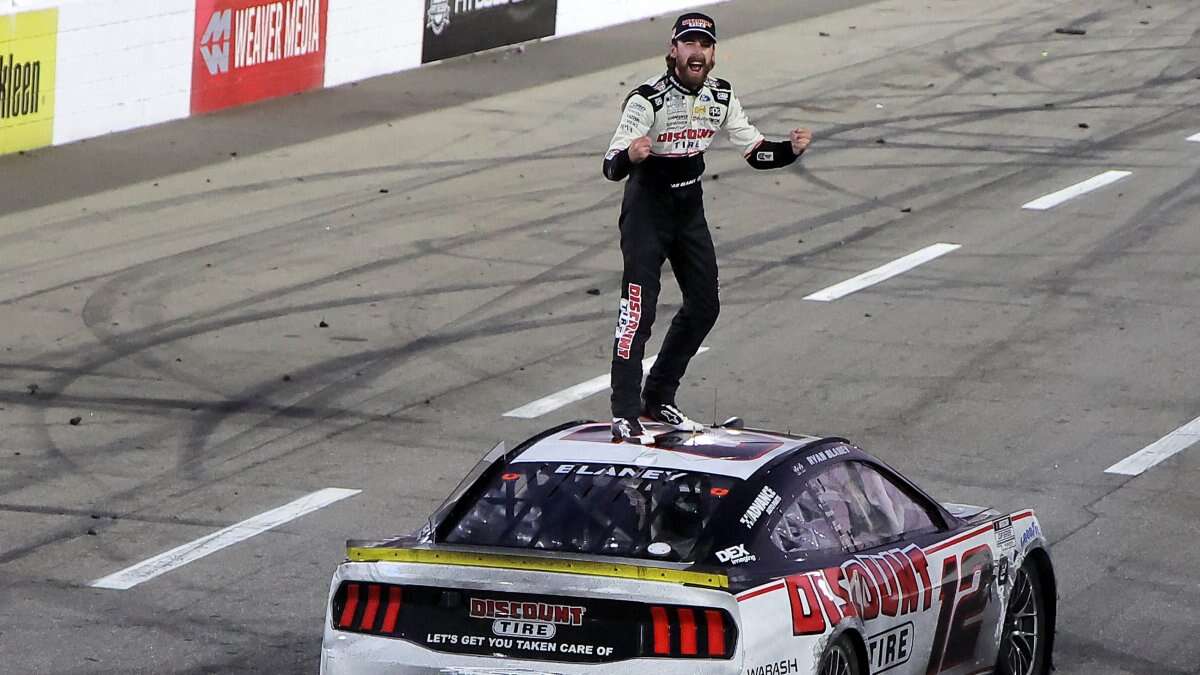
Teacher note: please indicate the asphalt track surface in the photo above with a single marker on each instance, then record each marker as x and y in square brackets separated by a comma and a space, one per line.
[447, 227]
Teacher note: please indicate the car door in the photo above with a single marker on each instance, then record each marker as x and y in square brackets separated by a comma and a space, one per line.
[949, 608]
[848, 531]
[886, 580]
[774, 543]
[873, 553]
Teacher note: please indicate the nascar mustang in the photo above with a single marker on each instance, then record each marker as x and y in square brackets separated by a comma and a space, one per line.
[728, 550]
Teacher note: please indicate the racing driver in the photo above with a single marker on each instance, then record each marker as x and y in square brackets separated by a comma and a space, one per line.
[666, 125]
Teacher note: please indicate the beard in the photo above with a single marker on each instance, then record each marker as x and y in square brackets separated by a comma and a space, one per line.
[694, 72]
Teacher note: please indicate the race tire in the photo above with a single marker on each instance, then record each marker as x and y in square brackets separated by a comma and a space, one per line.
[1025, 641]
[840, 658]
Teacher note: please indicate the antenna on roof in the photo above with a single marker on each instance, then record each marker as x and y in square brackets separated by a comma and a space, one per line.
[714, 405]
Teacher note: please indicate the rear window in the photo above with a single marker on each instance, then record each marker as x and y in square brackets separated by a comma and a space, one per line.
[600, 509]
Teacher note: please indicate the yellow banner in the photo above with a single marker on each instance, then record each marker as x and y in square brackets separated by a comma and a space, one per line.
[28, 45]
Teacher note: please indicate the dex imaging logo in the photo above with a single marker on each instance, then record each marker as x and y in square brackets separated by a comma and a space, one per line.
[736, 554]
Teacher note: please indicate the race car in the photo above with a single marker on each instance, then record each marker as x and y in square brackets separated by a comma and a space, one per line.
[726, 550]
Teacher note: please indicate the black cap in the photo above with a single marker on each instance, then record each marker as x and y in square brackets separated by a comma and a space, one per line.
[695, 22]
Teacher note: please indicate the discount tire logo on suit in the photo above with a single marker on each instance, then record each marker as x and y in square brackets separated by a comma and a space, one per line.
[28, 44]
[252, 50]
[458, 27]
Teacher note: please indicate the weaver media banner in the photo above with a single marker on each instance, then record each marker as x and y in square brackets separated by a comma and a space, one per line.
[250, 50]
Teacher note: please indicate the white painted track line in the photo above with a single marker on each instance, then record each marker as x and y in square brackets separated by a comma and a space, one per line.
[1094, 183]
[1195, 138]
[1173, 443]
[192, 551]
[880, 274]
[572, 394]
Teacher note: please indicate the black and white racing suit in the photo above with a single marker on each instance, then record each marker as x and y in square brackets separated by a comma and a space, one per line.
[662, 218]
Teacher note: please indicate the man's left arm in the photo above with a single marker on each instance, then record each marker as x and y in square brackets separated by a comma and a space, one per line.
[759, 152]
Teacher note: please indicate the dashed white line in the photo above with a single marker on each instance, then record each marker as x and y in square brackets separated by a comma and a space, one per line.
[1094, 183]
[181, 555]
[880, 274]
[572, 394]
[1172, 444]
[1195, 138]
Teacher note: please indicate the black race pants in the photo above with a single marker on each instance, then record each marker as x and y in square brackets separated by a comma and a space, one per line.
[661, 223]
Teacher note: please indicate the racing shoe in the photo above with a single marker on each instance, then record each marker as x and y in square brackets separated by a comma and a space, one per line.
[630, 430]
[668, 413]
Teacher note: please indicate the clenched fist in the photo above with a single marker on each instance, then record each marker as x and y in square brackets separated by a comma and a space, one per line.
[639, 150]
[800, 139]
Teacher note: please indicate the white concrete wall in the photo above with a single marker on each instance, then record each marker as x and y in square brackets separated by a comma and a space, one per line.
[122, 64]
[372, 37]
[10, 6]
[580, 16]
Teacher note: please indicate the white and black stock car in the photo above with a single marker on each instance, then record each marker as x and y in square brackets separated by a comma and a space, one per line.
[724, 551]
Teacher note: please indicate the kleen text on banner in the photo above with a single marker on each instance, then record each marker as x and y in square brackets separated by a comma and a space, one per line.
[28, 45]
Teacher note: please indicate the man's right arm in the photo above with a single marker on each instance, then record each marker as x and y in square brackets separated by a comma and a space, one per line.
[636, 120]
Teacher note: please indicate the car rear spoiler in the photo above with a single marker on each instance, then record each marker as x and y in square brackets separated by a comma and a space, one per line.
[373, 552]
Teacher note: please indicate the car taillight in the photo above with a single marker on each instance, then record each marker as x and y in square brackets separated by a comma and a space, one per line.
[689, 632]
[363, 607]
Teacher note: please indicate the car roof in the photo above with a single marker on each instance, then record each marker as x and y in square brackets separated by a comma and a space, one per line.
[736, 453]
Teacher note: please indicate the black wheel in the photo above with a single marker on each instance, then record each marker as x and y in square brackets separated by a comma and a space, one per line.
[840, 659]
[1025, 639]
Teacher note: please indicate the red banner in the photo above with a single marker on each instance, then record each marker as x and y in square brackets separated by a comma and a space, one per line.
[250, 50]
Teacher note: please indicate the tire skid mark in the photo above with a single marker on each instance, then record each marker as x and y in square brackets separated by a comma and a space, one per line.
[1011, 170]
[363, 362]
[967, 117]
[204, 249]
[97, 312]
[94, 514]
[219, 225]
[1147, 222]
[158, 404]
[139, 340]
[419, 168]
[419, 182]
[386, 361]
[171, 263]
[213, 477]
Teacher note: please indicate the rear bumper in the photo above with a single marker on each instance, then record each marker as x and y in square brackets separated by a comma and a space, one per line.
[354, 654]
[359, 653]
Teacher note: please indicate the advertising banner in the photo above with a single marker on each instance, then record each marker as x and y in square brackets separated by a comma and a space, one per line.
[250, 50]
[28, 43]
[457, 27]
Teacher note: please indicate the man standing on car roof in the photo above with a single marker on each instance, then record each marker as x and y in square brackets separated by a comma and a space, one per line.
[666, 126]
